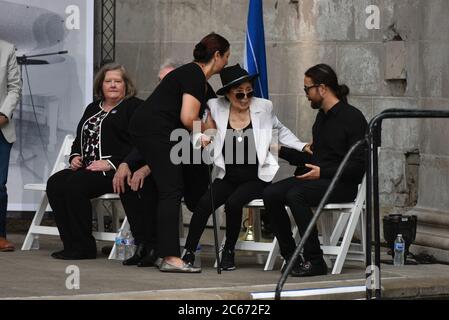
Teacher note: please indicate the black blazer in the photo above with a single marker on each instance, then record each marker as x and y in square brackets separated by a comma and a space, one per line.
[115, 142]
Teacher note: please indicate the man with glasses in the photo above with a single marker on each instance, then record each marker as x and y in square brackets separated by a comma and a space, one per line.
[337, 127]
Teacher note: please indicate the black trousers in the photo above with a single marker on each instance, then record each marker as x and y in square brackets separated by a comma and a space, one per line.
[69, 193]
[234, 196]
[300, 196]
[168, 179]
[196, 183]
[141, 210]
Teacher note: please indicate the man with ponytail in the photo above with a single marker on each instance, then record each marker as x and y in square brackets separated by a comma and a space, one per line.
[337, 127]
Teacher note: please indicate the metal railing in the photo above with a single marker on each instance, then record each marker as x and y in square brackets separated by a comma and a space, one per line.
[372, 186]
[372, 141]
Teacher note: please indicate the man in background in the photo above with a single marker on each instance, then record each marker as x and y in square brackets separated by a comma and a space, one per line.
[10, 90]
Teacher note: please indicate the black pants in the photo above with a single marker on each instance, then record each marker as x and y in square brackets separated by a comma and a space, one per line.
[69, 193]
[196, 183]
[300, 196]
[141, 210]
[234, 196]
[168, 179]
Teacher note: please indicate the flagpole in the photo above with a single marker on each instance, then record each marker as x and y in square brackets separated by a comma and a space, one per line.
[254, 53]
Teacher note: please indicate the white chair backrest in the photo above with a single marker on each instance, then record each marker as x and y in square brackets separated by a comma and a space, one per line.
[61, 161]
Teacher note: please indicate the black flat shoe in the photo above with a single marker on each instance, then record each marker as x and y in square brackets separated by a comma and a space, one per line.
[71, 255]
[227, 260]
[310, 269]
[296, 267]
[57, 254]
[149, 259]
[141, 252]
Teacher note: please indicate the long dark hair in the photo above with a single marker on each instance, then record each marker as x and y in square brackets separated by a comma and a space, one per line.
[204, 51]
[324, 74]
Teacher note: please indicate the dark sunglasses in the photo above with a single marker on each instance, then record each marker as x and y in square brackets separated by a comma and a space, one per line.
[241, 95]
[306, 89]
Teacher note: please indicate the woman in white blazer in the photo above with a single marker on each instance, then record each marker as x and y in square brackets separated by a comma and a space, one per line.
[244, 165]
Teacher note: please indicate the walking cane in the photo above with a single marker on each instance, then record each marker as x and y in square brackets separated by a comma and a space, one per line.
[214, 217]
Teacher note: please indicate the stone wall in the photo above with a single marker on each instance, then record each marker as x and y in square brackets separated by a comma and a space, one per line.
[414, 162]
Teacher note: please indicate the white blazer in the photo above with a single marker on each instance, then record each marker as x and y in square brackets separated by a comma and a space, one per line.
[264, 123]
[10, 87]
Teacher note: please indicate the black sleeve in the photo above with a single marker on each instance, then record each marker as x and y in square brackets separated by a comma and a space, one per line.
[134, 160]
[355, 169]
[210, 94]
[293, 156]
[194, 83]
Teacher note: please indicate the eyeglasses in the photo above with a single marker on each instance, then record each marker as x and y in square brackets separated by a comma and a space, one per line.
[242, 95]
[306, 89]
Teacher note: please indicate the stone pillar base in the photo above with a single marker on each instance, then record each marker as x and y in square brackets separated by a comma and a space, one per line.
[432, 235]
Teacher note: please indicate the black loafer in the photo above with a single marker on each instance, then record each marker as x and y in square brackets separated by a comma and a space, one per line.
[72, 255]
[297, 266]
[149, 259]
[58, 254]
[227, 260]
[310, 269]
[141, 252]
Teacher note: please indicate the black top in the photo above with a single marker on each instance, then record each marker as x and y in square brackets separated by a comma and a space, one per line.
[160, 114]
[334, 134]
[240, 155]
[114, 142]
[135, 160]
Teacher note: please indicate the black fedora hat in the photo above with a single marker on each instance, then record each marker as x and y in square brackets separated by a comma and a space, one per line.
[233, 76]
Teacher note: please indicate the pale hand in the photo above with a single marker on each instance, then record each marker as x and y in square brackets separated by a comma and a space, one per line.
[205, 140]
[275, 148]
[313, 174]
[3, 121]
[122, 174]
[76, 163]
[308, 149]
[138, 178]
[100, 165]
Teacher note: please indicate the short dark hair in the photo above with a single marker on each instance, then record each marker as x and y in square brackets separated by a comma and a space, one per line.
[324, 74]
[205, 49]
[130, 90]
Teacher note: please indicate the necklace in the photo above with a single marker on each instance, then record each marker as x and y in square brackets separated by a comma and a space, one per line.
[240, 134]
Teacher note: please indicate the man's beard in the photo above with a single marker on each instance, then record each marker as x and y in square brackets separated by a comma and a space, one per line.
[316, 104]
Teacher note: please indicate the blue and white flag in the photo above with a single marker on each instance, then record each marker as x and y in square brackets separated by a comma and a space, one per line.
[255, 57]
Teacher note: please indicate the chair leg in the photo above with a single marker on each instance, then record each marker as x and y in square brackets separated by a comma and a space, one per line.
[345, 244]
[272, 255]
[326, 224]
[38, 216]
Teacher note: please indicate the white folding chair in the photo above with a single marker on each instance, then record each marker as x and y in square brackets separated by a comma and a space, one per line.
[36, 228]
[271, 247]
[336, 239]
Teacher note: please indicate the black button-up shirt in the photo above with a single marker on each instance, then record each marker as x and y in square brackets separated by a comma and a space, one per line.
[334, 133]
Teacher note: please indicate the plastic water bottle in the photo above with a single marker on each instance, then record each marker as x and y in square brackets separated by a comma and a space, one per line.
[120, 246]
[197, 262]
[399, 251]
[129, 244]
